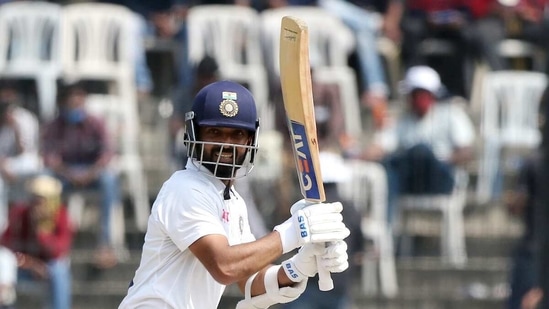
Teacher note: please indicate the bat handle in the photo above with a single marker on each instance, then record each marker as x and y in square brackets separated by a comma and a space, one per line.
[325, 282]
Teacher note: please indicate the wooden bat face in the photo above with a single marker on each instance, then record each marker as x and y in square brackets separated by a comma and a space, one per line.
[295, 78]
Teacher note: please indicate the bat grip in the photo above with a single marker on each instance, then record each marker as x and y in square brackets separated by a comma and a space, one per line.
[325, 282]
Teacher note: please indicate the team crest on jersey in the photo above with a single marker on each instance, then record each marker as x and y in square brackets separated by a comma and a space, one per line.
[228, 106]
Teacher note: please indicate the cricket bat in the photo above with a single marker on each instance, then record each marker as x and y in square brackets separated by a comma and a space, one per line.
[295, 79]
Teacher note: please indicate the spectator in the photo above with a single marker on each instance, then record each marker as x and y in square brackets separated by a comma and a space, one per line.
[77, 149]
[526, 200]
[528, 20]
[428, 141]
[521, 201]
[40, 235]
[472, 27]
[19, 155]
[163, 21]
[368, 20]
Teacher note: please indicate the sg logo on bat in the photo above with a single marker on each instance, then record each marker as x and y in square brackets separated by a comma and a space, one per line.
[306, 168]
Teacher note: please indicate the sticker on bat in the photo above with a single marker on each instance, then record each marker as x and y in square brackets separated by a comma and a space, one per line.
[307, 173]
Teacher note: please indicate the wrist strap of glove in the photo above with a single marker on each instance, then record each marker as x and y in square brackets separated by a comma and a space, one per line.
[248, 286]
[288, 235]
[292, 272]
[263, 301]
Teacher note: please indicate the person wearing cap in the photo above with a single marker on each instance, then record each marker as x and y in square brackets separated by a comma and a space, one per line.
[78, 150]
[198, 237]
[422, 148]
[40, 235]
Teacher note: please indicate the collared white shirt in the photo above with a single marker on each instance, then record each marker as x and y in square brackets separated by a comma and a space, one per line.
[445, 127]
[190, 205]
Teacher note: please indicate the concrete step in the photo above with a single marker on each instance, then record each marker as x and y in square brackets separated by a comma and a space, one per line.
[423, 283]
[427, 302]
[424, 276]
[476, 247]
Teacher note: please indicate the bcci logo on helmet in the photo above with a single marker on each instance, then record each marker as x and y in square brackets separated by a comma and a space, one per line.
[228, 106]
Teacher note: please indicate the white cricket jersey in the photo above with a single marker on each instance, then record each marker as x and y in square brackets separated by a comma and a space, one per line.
[190, 205]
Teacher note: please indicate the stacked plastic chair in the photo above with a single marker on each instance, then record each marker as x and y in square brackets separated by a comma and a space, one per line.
[98, 44]
[29, 48]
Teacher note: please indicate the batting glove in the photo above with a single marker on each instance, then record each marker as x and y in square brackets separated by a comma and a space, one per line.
[304, 264]
[334, 257]
[316, 223]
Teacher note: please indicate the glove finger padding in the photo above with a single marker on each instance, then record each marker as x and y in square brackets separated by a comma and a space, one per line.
[328, 207]
[334, 258]
[313, 223]
[317, 209]
[329, 232]
[322, 219]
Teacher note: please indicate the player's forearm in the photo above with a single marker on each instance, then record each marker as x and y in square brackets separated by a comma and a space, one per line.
[231, 264]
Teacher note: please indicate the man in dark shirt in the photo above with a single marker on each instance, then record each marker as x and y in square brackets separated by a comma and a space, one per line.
[76, 149]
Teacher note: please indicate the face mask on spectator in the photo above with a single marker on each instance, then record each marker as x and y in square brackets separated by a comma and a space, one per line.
[75, 115]
[421, 101]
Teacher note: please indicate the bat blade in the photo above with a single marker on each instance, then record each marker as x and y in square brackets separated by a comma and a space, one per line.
[295, 79]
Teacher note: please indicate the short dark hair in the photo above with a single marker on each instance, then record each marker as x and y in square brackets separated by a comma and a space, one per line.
[65, 87]
[4, 107]
[207, 67]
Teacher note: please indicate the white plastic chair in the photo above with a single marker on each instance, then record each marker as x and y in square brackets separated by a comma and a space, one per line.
[128, 163]
[230, 34]
[367, 189]
[98, 44]
[330, 44]
[29, 48]
[451, 206]
[514, 48]
[509, 102]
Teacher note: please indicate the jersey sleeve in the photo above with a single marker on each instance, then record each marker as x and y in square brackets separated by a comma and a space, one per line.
[463, 131]
[188, 214]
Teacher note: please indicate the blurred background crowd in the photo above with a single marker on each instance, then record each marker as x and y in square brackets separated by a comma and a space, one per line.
[422, 106]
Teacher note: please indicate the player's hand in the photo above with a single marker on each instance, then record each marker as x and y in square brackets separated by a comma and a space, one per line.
[311, 257]
[317, 223]
[334, 257]
[303, 264]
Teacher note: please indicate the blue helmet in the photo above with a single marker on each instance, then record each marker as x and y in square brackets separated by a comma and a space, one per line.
[225, 104]
[222, 104]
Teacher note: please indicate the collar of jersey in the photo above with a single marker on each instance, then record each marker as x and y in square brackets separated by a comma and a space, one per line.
[219, 185]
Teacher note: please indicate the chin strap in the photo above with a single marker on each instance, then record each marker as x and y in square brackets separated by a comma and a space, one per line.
[227, 192]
